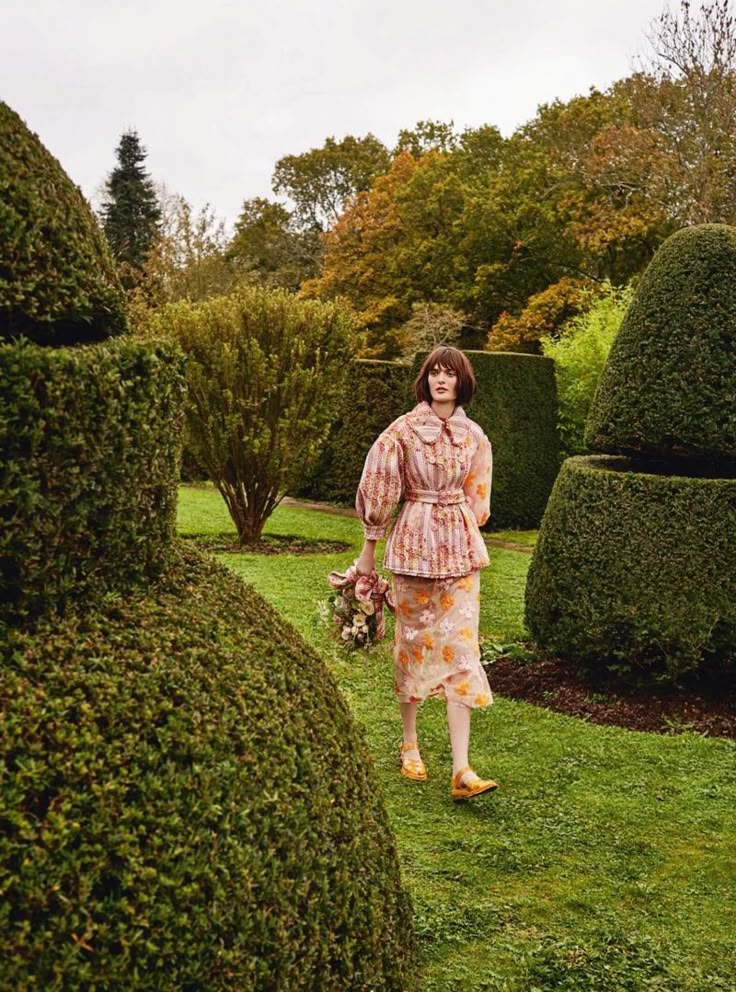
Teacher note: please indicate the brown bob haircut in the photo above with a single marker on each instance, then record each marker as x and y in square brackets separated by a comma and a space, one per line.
[448, 358]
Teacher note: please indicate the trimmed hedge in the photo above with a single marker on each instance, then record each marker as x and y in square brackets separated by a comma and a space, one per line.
[58, 283]
[377, 392]
[669, 386]
[516, 405]
[635, 571]
[90, 448]
[187, 803]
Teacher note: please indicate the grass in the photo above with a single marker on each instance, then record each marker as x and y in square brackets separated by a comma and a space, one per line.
[606, 861]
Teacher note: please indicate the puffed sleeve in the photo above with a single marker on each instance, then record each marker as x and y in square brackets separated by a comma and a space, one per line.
[381, 485]
[477, 485]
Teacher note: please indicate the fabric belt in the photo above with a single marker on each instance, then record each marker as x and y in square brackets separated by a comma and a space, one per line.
[433, 496]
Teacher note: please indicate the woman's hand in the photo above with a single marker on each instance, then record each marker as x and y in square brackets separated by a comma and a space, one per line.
[366, 563]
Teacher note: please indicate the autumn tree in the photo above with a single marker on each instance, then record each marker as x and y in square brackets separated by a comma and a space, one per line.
[426, 136]
[188, 260]
[321, 181]
[269, 243]
[431, 325]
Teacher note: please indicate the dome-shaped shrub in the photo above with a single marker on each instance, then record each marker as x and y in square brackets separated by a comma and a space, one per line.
[57, 279]
[635, 572]
[669, 386]
[187, 803]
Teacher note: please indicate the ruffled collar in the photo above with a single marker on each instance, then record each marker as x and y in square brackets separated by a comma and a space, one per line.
[428, 426]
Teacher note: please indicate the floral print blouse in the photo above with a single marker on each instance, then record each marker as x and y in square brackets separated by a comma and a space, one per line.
[442, 470]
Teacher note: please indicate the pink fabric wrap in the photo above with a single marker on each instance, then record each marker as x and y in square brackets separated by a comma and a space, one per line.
[367, 587]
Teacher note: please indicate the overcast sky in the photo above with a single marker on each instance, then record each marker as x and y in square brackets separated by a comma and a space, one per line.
[220, 89]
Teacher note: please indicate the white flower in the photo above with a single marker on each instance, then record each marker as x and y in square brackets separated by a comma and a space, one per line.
[466, 610]
[445, 626]
[368, 608]
[427, 617]
[410, 633]
[345, 633]
[464, 665]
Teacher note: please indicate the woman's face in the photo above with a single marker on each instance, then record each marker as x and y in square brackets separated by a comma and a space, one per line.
[442, 384]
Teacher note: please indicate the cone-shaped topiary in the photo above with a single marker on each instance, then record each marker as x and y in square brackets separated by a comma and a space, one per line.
[187, 803]
[58, 283]
[669, 386]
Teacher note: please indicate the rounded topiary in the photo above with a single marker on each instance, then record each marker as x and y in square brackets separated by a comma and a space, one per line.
[635, 572]
[669, 386]
[187, 803]
[58, 283]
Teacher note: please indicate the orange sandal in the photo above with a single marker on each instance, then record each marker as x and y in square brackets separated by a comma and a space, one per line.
[411, 767]
[473, 787]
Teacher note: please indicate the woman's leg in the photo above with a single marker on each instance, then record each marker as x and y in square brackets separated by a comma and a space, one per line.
[458, 719]
[409, 719]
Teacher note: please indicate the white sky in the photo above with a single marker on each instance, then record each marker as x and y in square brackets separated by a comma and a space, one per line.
[219, 90]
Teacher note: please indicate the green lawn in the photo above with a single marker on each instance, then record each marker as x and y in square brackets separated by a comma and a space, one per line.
[606, 860]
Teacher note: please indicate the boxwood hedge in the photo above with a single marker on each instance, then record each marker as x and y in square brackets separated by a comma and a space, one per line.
[58, 283]
[668, 388]
[634, 569]
[186, 803]
[90, 447]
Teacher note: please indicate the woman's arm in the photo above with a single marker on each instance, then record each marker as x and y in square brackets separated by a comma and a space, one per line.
[367, 560]
[379, 492]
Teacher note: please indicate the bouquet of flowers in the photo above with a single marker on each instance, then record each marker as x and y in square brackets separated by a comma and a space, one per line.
[356, 607]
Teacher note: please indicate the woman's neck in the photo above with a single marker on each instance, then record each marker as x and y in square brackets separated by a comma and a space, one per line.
[443, 410]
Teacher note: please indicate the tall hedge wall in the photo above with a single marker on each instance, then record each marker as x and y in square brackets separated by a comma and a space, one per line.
[377, 392]
[516, 405]
[90, 450]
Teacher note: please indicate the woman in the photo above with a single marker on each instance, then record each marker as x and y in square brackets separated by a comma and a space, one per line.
[440, 462]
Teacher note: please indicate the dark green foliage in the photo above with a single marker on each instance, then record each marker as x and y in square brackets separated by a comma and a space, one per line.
[516, 405]
[635, 572]
[90, 448]
[669, 386]
[376, 393]
[57, 281]
[131, 214]
[187, 803]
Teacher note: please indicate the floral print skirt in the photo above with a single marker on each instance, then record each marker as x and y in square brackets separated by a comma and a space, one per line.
[436, 651]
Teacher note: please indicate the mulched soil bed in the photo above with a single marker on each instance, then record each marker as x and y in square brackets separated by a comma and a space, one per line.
[272, 544]
[702, 707]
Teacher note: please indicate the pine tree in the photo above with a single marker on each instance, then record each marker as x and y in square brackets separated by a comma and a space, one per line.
[130, 213]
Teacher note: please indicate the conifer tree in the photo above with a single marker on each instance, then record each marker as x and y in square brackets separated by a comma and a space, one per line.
[131, 214]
